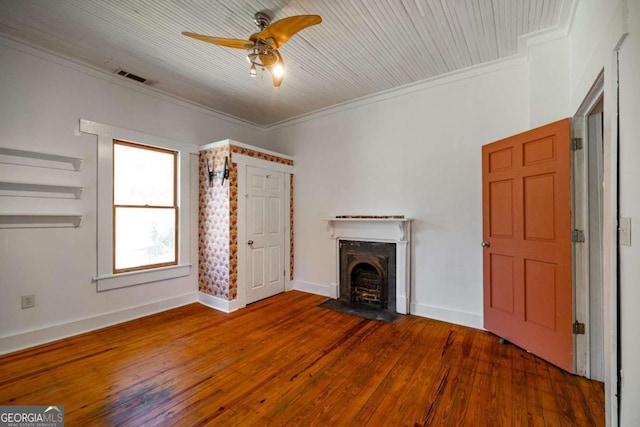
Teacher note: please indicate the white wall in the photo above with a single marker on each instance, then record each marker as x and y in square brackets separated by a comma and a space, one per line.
[630, 207]
[549, 79]
[43, 98]
[596, 29]
[417, 154]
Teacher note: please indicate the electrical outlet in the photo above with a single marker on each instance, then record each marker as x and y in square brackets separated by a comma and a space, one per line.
[28, 301]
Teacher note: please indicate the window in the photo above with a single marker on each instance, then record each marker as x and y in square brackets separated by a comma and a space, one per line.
[145, 209]
[184, 172]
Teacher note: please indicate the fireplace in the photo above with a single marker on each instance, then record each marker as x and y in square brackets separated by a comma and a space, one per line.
[387, 241]
[367, 274]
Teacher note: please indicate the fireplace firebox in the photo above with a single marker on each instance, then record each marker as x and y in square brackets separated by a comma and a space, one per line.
[368, 274]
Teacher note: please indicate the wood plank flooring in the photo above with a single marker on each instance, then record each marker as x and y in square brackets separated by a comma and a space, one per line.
[285, 361]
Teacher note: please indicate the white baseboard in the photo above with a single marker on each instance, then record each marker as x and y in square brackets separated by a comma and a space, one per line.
[52, 333]
[330, 291]
[218, 303]
[447, 315]
[438, 313]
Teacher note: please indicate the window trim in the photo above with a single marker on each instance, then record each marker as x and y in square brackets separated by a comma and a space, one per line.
[105, 279]
[175, 207]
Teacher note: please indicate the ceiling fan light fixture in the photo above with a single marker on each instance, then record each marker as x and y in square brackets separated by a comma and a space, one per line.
[262, 55]
[278, 70]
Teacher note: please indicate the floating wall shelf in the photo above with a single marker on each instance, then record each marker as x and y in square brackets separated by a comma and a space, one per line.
[27, 189]
[75, 162]
[40, 220]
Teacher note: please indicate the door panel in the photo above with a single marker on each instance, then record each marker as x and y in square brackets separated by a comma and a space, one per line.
[539, 197]
[275, 263]
[265, 233]
[501, 200]
[257, 259]
[527, 224]
[275, 215]
[540, 292]
[257, 214]
[502, 275]
[500, 160]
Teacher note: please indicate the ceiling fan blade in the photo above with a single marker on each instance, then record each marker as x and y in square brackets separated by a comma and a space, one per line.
[233, 43]
[277, 77]
[281, 31]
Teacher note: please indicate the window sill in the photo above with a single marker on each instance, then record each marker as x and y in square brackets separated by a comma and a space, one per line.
[122, 280]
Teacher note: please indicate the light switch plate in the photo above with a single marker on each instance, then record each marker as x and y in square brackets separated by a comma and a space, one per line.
[625, 231]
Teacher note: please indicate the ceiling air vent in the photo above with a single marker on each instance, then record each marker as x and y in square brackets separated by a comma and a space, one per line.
[135, 77]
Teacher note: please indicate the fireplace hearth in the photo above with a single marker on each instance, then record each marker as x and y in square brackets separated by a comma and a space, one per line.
[360, 311]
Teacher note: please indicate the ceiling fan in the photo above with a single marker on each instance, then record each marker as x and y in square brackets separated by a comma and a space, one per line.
[262, 47]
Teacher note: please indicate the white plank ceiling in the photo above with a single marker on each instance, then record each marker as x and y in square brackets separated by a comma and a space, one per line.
[361, 48]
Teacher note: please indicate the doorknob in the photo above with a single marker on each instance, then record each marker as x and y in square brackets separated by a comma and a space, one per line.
[250, 243]
[485, 244]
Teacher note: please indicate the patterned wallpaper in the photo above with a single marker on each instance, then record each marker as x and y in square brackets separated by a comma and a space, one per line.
[218, 223]
[259, 155]
[233, 230]
[291, 226]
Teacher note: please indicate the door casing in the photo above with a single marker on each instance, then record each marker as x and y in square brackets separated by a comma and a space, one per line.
[588, 308]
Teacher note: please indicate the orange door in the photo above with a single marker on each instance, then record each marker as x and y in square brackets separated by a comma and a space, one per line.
[526, 204]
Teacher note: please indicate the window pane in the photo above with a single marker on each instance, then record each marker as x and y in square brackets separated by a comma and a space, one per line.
[142, 177]
[144, 236]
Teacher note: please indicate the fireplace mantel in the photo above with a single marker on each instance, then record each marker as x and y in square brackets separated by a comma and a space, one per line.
[375, 229]
[401, 225]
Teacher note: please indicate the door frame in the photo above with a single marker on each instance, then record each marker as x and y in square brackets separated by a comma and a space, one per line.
[583, 348]
[241, 162]
[608, 88]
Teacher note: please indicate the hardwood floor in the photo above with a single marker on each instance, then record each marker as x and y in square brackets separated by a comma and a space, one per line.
[286, 361]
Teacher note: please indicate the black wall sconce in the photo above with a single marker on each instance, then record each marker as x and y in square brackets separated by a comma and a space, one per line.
[222, 173]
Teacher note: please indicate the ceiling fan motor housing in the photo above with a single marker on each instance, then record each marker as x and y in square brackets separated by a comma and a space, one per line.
[262, 19]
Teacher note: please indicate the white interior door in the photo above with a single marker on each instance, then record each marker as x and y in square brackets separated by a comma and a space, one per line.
[265, 233]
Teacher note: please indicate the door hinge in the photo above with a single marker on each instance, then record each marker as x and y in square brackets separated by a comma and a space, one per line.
[577, 236]
[578, 328]
[576, 144]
